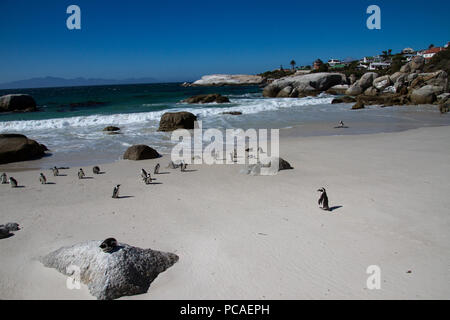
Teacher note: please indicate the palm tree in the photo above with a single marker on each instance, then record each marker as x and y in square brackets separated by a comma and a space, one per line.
[293, 63]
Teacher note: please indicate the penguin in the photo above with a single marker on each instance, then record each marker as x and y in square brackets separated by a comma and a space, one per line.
[323, 200]
[156, 171]
[12, 226]
[148, 179]
[143, 174]
[116, 192]
[108, 245]
[183, 166]
[42, 178]
[341, 124]
[4, 178]
[13, 182]
[96, 170]
[55, 171]
[80, 174]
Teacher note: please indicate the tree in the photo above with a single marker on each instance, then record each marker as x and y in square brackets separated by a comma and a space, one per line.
[293, 63]
[431, 46]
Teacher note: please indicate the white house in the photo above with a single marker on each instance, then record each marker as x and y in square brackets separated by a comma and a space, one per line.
[333, 62]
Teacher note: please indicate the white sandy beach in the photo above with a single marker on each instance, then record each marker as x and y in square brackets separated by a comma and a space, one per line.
[246, 237]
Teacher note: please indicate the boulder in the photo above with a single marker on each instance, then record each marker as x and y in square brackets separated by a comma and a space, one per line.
[171, 121]
[17, 147]
[371, 91]
[425, 95]
[17, 103]
[442, 98]
[417, 63]
[233, 113]
[207, 98]
[352, 79]
[367, 79]
[125, 271]
[228, 79]
[285, 92]
[140, 152]
[359, 105]
[305, 84]
[394, 77]
[111, 129]
[267, 167]
[444, 107]
[338, 89]
[354, 90]
[344, 99]
[382, 83]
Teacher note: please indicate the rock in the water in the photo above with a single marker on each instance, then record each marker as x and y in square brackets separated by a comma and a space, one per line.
[344, 99]
[233, 113]
[111, 129]
[140, 152]
[171, 121]
[17, 103]
[228, 79]
[17, 147]
[207, 98]
[125, 271]
[359, 105]
[305, 84]
[426, 94]
[371, 91]
[444, 107]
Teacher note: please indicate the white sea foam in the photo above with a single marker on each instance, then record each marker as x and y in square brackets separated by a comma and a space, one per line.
[246, 106]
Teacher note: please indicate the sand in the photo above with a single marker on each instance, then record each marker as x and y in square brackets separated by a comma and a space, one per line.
[245, 237]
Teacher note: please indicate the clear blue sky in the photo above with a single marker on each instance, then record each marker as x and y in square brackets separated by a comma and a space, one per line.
[182, 40]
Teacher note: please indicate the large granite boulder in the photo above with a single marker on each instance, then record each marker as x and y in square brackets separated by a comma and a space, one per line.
[426, 94]
[382, 83]
[140, 152]
[304, 84]
[17, 147]
[367, 79]
[171, 121]
[354, 90]
[359, 105]
[125, 271]
[415, 65]
[207, 98]
[228, 79]
[17, 103]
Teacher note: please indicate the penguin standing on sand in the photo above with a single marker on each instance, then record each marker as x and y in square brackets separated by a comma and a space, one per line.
[183, 167]
[108, 245]
[156, 171]
[323, 200]
[4, 178]
[148, 179]
[80, 174]
[143, 174]
[42, 178]
[55, 171]
[96, 170]
[13, 182]
[115, 194]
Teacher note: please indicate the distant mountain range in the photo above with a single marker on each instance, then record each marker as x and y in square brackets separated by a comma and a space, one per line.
[61, 82]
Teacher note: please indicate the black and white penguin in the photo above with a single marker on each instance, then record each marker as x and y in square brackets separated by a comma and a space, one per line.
[42, 178]
[323, 200]
[13, 182]
[143, 174]
[80, 174]
[109, 245]
[55, 171]
[183, 166]
[96, 170]
[115, 194]
[4, 178]
[156, 171]
[148, 179]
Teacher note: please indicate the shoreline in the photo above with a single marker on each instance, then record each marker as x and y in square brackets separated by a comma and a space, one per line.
[296, 131]
[232, 230]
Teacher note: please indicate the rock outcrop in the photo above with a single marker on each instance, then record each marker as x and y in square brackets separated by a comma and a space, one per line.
[303, 84]
[426, 94]
[125, 271]
[140, 152]
[207, 98]
[111, 129]
[17, 147]
[228, 80]
[171, 121]
[17, 103]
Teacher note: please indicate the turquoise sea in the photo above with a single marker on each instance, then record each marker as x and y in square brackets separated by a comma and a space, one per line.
[70, 120]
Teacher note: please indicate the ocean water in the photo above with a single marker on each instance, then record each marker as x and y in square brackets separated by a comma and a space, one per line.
[70, 120]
